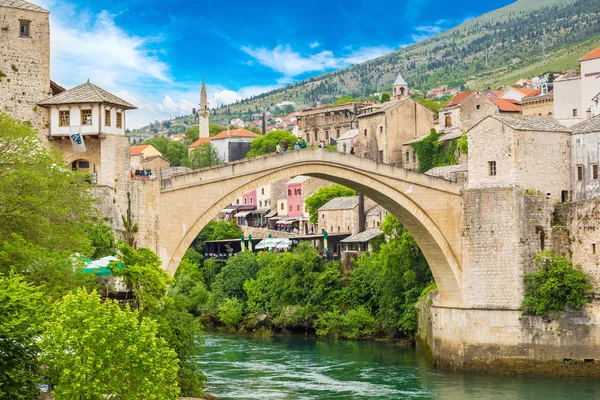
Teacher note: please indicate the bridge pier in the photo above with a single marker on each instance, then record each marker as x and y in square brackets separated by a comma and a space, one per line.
[502, 230]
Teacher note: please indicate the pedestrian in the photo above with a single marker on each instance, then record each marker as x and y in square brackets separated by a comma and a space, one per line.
[278, 148]
[286, 145]
[297, 145]
[352, 150]
[322, 144]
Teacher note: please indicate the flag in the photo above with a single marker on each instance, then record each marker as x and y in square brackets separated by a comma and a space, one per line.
[78, 143]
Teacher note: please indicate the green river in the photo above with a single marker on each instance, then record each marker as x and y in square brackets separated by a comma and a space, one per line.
[308, 368]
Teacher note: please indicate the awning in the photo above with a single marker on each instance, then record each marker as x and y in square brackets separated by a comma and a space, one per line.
[229, 210]
[289, 221]
[242, 214]
[101, 267]
[261, 211]
[272, 214]
[271, 243]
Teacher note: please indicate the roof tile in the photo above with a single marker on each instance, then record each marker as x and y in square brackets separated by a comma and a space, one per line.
[87, 93]
[457, 99]
[506, 105]
[22, 5]
[531, 123]
[591, 55]
[341, 203]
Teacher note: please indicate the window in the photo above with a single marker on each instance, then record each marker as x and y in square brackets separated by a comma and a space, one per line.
[281, 206]
[407, 156]
[574, 112]
[245, 200]
[119, 120]
[492, 168]
[299, 191]
[251, 200]
[289, 192]
[298, 207]
[594, 172]
[381, 129]
[106, 117]
[290, 208]
[260, 204]
[365, 133]
[339, 229]
[448, 123]
[86, 117]
[64, 118]
[24, 28]
[262, 191]
[414, 156]
[237, 201]
[579, 173]
[326, 136]
[593, 248]
[337, 133]
[322, 215]
[478, 106]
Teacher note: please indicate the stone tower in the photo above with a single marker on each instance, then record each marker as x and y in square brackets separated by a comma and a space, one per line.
[400, 88]
[25, 62]
[203, 112]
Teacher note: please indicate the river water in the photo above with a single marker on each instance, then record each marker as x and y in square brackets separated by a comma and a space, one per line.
[308, 368]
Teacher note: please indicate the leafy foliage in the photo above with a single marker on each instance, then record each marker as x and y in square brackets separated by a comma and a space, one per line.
[556, 284]
[229, 283]
[463, 144]
[267, 143]
[356, 323]
[344, 100]
[41, 199]
[94, 349]
[323, 196]
[433, 153]
[385, 97]
[230, 312]
[103, 240]
[204, 156]
[20, 323]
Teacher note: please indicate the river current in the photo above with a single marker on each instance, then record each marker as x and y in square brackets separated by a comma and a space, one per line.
[308, 368]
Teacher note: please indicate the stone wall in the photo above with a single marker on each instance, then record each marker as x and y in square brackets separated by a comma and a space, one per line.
[543, 106]
[26, 64]
[475, 108]
[145, 205]
[581, 221]
[585, 151]
[502, 230]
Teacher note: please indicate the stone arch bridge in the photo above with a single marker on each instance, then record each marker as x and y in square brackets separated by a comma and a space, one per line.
[430, 208]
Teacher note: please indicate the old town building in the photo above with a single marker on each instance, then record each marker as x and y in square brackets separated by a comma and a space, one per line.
[326, 123]
[585, 158]
[147, 157]
[230, 145]
[539, 103]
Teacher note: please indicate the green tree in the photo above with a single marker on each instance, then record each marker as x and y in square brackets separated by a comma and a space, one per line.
[230, 312]
[20, 323]
[229, 283]
[41, 199]
[191, 135]
[144, 275]
[215, 129]
[103, 240]
[253, 129]
[94, 349]
[159, 143]
[322, 197]
[385, 97]
[556, 284]
[267, 144]
[289, 108]
[204, 156]
[177, 154]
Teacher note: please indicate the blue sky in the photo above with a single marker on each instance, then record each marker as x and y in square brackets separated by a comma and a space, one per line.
[154, 53]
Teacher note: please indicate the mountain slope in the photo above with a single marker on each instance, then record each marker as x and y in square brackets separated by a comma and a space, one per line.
[514, 37]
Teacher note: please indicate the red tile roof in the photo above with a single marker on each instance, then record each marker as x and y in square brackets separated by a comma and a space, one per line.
[591, 55]
[200, 142]
[496, 93]
[459, 98]
[506, 105]
[235, 133]
[135, 150]
[525, 91]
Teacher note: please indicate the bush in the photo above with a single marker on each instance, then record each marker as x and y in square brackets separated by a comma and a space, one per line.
[230, 313]
[557, 283]
[355, 324]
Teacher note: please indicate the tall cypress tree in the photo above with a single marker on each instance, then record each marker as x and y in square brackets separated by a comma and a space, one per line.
[264, 125]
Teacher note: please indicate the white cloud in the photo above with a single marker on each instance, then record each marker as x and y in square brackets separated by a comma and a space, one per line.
[314, 44]
[291, 63]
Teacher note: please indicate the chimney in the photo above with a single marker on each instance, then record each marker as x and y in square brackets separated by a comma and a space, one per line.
[361, 213]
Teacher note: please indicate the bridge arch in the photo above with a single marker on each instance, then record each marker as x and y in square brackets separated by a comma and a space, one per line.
[429, 208]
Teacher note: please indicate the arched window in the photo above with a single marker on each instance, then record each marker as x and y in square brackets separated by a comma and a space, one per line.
[260, 203]
[448, 121]
[245, 200]
[401, 91]
[289, 192]
[251, 200]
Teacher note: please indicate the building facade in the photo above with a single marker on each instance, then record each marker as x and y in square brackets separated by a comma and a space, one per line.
[326, 123]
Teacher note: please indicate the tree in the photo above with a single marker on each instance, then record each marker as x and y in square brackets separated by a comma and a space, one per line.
[166, 124]
[99, 350]
[323, 196]
[253, 129]
[264, 125]
[267, 143]
[385, 97]
[229, 283]
[159, 143]
[41, 199]
[177, 154]
[289, 108]
[20, 322]
[103, 240]
[143, 274]
[191, 135]
[204, 156]
[215, 129]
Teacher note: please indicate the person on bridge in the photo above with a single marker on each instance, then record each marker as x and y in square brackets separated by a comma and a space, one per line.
[297, 145]
[278, 148]
[303, 144]
[286, 146]
[352, 150]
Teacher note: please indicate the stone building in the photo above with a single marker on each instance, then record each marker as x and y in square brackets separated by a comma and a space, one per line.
[342, 215]
[147, 157]
[375, 217]
[576, 94]
[532, 153]
[231, 145]
[326, 123]
[25, 62]
[585, 158]
[385, 127]
[539, 103]
[466, 109]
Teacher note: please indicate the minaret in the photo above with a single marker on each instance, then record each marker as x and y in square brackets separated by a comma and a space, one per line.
[203, 112]
[400, 88]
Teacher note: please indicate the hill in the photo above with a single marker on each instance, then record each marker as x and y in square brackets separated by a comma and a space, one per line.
[523, 39]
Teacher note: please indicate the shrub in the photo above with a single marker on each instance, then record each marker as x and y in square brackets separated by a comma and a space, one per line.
[355, 324]
[230, 313]
[557, 283]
